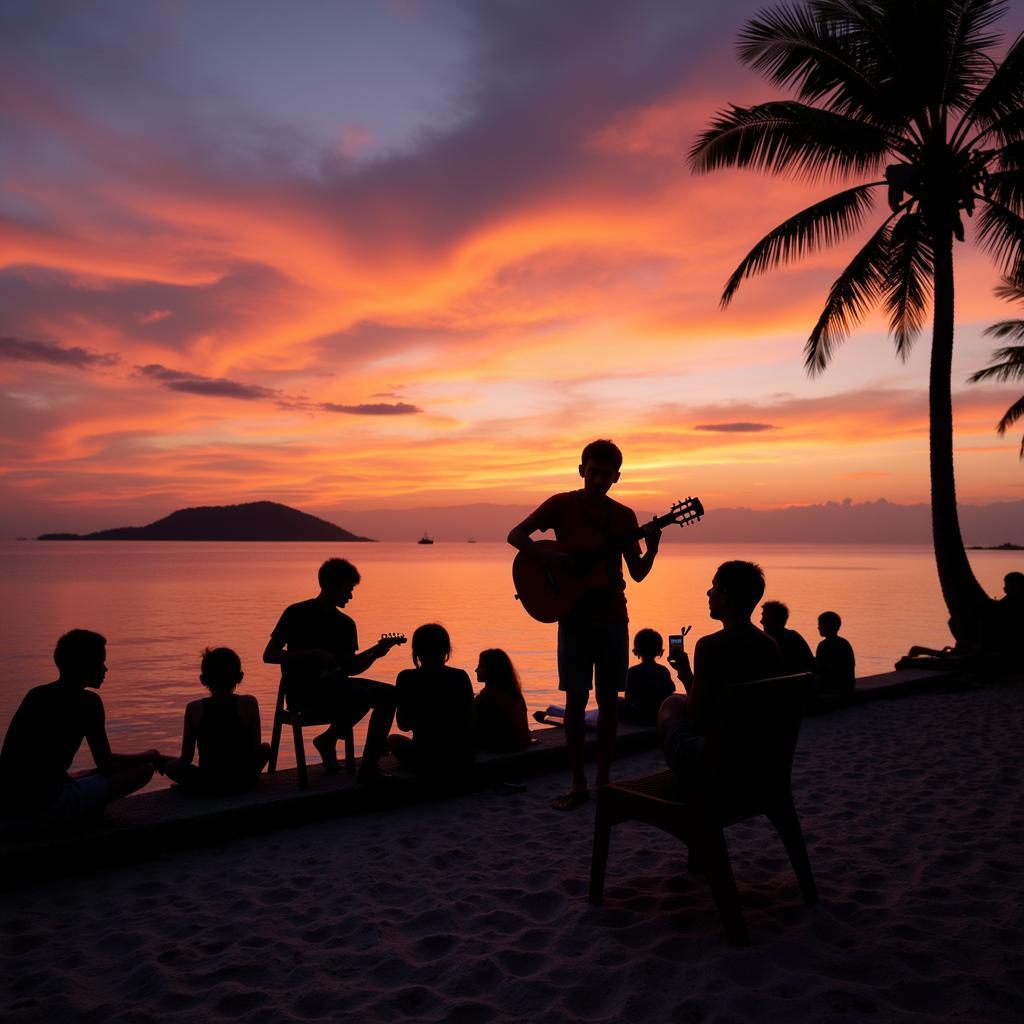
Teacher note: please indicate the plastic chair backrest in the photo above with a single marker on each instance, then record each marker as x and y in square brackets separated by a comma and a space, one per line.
[749, 747]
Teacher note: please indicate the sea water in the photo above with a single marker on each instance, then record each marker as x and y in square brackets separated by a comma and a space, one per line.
[160, 603]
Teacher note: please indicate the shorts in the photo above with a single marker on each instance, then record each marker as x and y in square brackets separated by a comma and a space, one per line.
[683, 748]
[593, 656]
[79, 798]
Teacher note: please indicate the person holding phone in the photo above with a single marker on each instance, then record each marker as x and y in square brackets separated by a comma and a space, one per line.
[739, 652]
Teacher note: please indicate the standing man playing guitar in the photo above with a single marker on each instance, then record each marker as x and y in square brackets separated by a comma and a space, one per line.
[316, 646]
[593, 636]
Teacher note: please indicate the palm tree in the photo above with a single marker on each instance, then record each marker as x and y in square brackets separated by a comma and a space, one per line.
[1011, 358]
[907, 86]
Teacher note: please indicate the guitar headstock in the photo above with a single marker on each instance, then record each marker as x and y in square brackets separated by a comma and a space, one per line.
[389, 640]
[685, 512]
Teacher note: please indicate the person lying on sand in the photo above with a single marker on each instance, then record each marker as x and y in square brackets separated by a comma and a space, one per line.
[225, 727]
[36, 790]
[315, 644]
[738, 653]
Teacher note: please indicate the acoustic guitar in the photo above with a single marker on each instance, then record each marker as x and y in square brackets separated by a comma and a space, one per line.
[549, 593]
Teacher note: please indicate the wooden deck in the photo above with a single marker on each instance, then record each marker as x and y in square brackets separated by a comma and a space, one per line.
[149, 824]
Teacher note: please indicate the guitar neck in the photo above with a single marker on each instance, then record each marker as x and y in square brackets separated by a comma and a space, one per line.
[616, 545]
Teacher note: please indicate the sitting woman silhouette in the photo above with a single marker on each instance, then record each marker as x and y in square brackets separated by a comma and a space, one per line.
[501, 722]
[225, 727]
[435, 704]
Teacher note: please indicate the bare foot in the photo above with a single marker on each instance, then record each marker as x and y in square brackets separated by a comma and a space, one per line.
[571, 800]
[325, 748]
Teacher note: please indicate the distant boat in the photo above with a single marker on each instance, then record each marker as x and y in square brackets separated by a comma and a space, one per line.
[472, 540]
[425, 539]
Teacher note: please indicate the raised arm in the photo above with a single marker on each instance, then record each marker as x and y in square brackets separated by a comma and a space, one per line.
[640, 565]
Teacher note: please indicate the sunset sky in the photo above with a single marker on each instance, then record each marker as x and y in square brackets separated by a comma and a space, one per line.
[374, 255]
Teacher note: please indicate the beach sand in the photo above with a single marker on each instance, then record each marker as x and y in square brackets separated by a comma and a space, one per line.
[473, 909]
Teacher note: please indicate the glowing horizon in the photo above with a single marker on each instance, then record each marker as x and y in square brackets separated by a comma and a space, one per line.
[222, 285]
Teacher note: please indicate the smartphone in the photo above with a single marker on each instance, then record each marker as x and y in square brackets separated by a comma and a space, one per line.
[675, 645]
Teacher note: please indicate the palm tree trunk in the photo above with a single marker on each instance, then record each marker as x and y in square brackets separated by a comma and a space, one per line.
[967, 602]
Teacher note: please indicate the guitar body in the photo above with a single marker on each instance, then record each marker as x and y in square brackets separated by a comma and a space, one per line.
[549, 593]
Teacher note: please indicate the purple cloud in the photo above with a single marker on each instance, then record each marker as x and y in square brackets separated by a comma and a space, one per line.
[735, 428]
[214, 387]
[25, 350]
[371, 408]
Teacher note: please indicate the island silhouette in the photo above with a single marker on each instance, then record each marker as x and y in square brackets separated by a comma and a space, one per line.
[253, 521]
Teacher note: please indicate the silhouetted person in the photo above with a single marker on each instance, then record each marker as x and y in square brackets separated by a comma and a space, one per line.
[834, 663]
[796, 654]
[647, 683]
[435, 704]
[593, 638]
[738, 653]
[45, 734]
[226, 729]
[317, 647]
[499, 709]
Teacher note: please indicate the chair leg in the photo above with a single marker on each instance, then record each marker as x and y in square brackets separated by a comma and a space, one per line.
[275, 745]
[599, 857]
[350, 751]
[711, 847]
[787, 824]
[300, 755]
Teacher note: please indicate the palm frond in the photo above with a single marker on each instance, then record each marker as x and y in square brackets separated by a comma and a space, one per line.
[1001, 233]
[820, 225]
[1014, 413]
[909, 285]
[1002, 97]
[968, 67]
[813, 52]
[1007, 188]
[1011, 290]
[854, 292]
[785, 137]
[1011, 366]
[1006, 329]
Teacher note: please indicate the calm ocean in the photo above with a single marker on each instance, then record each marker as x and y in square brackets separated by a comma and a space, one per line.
[159, 604]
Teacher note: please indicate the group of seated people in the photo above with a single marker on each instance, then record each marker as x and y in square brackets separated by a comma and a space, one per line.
[316, 645]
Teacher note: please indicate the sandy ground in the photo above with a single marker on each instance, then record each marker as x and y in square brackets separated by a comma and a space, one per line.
[474, 909]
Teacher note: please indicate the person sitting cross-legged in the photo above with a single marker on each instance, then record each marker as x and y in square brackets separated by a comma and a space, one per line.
[796, 654]
[647, 682]
[738, 653]
[499, 708]
[435, 704]
[36, 791]
[225, 727]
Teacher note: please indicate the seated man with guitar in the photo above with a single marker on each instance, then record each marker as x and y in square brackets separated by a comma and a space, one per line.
[577, 579]
[318, 651]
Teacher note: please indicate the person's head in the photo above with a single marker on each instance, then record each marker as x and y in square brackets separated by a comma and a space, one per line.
[829, 623]
[495, 669]
[735, 590]
[774, 616]
[431, 645]
[1013, 586]
[338, 578]
[599, 466]
[648, 643]
[220, 671]
[80, 657]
